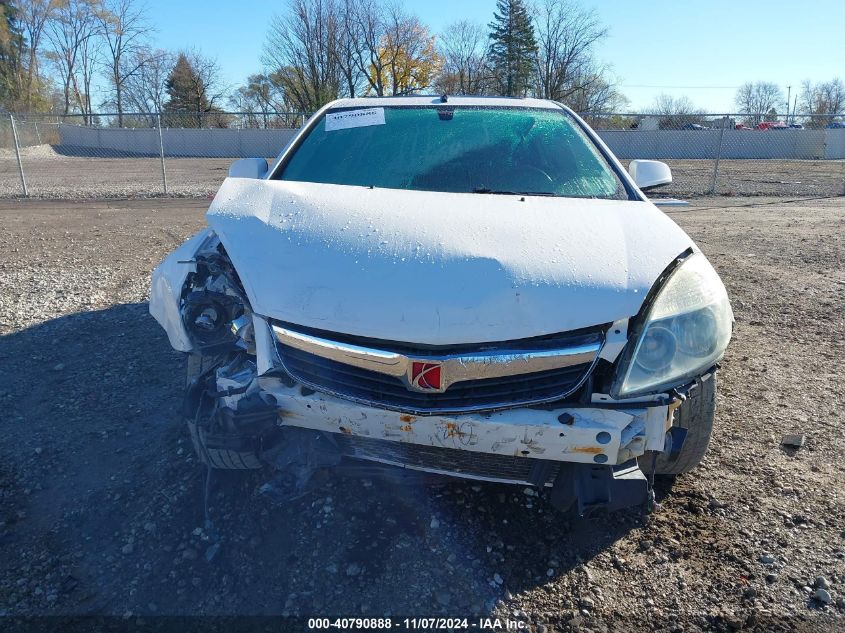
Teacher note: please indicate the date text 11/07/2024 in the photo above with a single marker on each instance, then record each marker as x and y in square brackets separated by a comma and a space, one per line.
[416, 624]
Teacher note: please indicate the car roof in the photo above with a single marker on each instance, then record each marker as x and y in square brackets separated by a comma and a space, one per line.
[423, 100]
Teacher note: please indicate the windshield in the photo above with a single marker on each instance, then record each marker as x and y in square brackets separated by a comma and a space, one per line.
[454, 149]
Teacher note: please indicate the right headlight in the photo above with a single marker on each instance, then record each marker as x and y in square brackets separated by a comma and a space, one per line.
[685, 331]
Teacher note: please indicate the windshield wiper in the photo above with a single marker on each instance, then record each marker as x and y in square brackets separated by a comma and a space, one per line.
[503, 192]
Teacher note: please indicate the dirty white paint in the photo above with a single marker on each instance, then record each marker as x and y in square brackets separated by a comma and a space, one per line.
[517, 432]
[440, 268]
[166, 290]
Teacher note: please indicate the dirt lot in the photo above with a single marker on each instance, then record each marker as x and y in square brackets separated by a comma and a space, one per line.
[101, 498]
[51, 175]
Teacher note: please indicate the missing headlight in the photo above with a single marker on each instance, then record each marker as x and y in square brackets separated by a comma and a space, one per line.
[214, 308]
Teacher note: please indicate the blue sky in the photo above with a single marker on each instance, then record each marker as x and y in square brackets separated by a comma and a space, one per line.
[701, 50]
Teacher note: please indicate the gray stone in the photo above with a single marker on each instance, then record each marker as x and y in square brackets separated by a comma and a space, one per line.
[767, 559]
[353, 569]
[822, 595]
[189, 554]
[794, 441]
[212, 551]
[127, 549]
[821, 583]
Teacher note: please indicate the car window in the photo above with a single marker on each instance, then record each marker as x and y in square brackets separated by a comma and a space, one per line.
[454, 149]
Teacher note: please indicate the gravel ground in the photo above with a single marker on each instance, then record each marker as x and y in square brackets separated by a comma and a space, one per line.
[101, 498]
[50, 175]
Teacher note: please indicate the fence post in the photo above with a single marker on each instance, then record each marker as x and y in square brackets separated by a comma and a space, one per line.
[161, 153]
[718, 156]
[18, 154]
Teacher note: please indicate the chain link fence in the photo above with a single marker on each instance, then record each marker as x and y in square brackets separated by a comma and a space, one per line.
[734, 154]
[152, 154]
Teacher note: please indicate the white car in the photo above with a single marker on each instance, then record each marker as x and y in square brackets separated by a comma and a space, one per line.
[467, 286]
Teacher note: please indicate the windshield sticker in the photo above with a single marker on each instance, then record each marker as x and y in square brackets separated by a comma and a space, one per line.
[354, 118]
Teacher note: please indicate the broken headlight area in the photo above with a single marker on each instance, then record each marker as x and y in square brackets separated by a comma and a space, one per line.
[214, 307]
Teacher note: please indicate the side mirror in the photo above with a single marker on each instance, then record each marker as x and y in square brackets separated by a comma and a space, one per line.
[248, 168]
[648, 174]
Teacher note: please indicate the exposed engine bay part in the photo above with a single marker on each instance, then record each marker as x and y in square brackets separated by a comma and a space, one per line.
[586, 489]
[214, 308]
[231, 423]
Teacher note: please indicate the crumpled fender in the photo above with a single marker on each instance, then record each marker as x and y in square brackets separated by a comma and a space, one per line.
[166, 285]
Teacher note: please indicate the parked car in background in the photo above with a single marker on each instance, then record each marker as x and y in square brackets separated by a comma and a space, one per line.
[771, 125]
[835, 125]
[693, 126]
[796, 126]
[742, 126]
[468, 286]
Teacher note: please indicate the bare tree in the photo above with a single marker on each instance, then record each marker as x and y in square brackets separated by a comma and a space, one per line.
[564, 64]
[124, 28]
[145, 91]
[596, 92]
[34, 16]
[349, 47]
[756, 99]
[300, 53]
[71, 32]
[463, 46]
[674, 112]
[370, 22]
[824, 98]
[88, 61]
[260, 95]
[411, 57]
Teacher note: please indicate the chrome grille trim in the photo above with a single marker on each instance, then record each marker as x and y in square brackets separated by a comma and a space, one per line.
[388, 388]
[455, 367]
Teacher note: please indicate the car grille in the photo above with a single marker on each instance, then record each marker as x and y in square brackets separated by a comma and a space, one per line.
[488, 466]
[386, 391]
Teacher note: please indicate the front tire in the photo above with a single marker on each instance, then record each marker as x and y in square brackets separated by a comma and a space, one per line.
[214, 457]
[696, 415]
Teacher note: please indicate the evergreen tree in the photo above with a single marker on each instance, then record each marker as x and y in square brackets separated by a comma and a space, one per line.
[12, 51]
[192, 90]
[512, 47]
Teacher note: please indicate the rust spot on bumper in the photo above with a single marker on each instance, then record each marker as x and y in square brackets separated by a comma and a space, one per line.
[590, 450]
[452, 430]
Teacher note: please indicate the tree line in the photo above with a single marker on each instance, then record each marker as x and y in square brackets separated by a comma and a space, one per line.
[54, 54]
[320, 50]
[817, 103]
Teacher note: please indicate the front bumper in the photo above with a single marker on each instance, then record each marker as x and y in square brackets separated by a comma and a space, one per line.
[524, 445]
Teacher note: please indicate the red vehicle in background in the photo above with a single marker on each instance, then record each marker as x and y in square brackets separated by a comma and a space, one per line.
[771, 125]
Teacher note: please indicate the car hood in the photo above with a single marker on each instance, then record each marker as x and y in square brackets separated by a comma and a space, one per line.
[440, 268]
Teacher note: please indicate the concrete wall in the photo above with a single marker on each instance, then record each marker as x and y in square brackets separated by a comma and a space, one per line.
[807, 144]
[626, 144]
[178, 142]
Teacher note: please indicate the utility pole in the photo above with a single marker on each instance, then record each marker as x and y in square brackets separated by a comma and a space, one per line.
[788, 99]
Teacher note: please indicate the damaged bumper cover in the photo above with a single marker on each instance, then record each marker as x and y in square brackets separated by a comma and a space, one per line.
[486, 446]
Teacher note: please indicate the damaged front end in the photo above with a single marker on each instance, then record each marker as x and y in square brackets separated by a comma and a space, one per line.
[264, 393]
